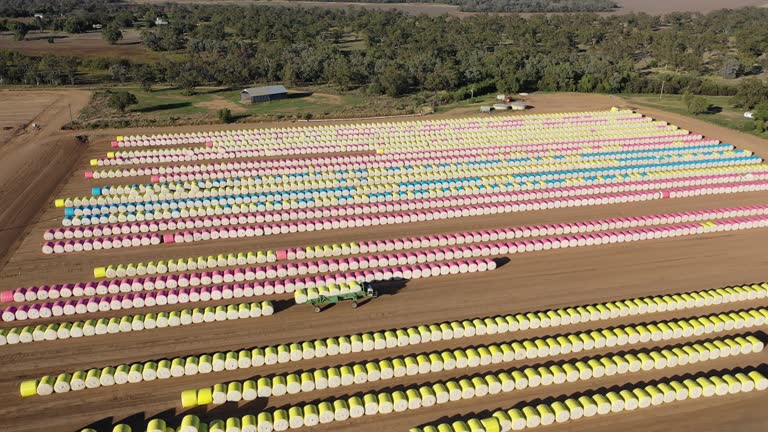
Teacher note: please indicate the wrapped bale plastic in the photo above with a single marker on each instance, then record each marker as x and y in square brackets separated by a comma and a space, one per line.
[385, 403]
[310, 415]
[356, 407]
[189, 398]
[281, 420]
[190, 423]
[157, 425]
[265, 421]
[295, 417]
[29, 388]
[340, 410]
[326, 413]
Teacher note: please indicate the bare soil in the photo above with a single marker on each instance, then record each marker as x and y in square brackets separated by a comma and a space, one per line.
[34, 162]
[219, 102]
[84, 45]
[528, 282]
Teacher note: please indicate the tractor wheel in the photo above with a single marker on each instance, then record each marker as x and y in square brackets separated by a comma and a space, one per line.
[317, 308]
[354, 304]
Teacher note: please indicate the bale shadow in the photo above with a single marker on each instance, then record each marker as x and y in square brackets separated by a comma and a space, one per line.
[282, 305]
[501, 261]
[230, 409]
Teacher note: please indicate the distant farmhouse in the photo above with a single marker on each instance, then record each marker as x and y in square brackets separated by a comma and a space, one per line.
[263, 94]
[159, 21]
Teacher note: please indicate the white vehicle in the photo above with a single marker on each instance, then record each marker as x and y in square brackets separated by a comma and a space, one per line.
[749, 114]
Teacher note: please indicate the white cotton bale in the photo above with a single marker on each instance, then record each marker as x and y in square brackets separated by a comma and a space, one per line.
[295, 417]
[279, 386]
[326, 412]
[219, 394]
[92, 378]
[250, 390]
[107, 377]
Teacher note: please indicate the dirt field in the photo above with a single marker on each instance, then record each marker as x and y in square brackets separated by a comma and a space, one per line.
[626, 6]
[528, 282]
[79, 45]
[25, 108]
[33, 162]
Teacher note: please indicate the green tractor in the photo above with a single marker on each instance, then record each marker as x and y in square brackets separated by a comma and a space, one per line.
[368, 291]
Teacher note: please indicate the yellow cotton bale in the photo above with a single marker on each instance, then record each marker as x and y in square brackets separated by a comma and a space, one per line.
[189, 398]
[205, 396]
[28, 388]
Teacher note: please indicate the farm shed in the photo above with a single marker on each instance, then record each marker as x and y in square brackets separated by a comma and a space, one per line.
[263, 94]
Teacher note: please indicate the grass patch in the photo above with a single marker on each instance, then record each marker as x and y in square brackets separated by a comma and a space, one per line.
[722, 112]
[170, 106]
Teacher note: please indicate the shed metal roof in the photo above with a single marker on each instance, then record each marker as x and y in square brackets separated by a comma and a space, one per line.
[266, 90]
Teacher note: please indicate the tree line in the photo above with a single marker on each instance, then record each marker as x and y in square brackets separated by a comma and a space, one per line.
[443, 57]
[511, 5]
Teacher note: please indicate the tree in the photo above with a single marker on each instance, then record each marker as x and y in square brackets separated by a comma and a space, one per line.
[20, 31]
[698, 105]
[167, 38]
[731, 68]
[188, 79]
[121, 100]
[444, 77]
[760, 114]
[75, 24]
[750, 92]
[394, 82]
[111, 33]
[119, 72]
[587, 83]
[687, 97]
[70, 65]
[225, 115]
[144, 75]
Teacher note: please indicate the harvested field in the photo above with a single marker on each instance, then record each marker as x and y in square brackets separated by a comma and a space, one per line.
[705, 256]
[79, 45]
[25, 107]
[33, 161]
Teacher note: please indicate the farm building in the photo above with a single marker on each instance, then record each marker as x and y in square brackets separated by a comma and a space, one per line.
[263, 94]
